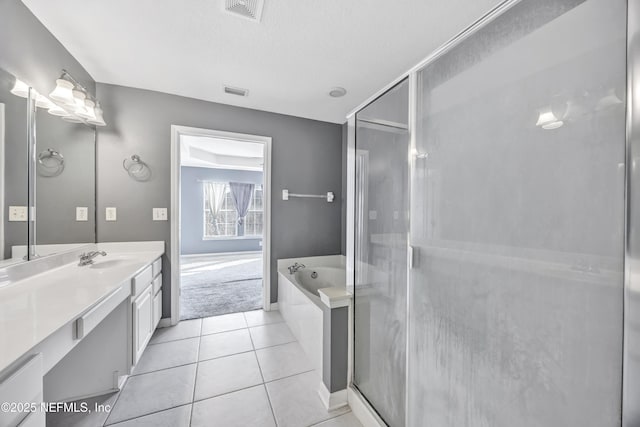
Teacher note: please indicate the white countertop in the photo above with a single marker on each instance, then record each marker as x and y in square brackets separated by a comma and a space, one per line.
[34, 308]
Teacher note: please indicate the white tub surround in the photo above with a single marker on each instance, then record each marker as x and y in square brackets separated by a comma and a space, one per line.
[315, 304]
[79, 319]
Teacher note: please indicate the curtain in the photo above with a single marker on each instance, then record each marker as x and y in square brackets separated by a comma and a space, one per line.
[241, 194]
[215, 197]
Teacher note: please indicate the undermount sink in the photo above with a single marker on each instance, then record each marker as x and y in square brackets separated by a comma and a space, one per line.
[111, 263]
[108, 263]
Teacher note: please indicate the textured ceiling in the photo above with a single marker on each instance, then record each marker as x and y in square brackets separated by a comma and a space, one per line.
[288, 62]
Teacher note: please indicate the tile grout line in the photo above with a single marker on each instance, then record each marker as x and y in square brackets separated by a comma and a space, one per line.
[197, 362]
[146, 415]
[195, 380]
[264, 387]
[245, 388]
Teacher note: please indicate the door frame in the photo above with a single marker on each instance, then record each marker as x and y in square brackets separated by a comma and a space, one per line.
[174, 255]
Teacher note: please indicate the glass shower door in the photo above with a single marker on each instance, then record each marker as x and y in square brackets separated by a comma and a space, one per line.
[517, 220]
[381, 223]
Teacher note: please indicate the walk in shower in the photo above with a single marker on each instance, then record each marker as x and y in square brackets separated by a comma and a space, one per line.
[493, 226]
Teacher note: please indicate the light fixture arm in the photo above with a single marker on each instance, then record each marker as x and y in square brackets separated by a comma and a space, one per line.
[68, 76]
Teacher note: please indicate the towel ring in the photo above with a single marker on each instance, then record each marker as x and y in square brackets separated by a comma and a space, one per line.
[136, 168]
[50, 163]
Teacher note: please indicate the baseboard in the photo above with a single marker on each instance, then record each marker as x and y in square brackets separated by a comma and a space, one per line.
[164, 322]
[335, 400]
[273, 306]
[362, 410]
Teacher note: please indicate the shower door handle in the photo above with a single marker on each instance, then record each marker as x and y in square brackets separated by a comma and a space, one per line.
[411, 253]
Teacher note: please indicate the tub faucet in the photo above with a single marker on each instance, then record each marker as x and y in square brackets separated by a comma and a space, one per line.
[86, 258]
[295, 267]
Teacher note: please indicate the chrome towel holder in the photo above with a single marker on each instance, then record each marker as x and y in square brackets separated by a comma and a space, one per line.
[329, 196]
[136, 168]
[50, 163]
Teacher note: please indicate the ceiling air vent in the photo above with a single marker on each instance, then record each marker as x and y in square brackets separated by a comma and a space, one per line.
[236, 91]
[249, 9]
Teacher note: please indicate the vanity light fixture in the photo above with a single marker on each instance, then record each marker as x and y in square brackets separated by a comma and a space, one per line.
[97, 120]
[55, 110]
[20, 89]
[74, 103]
[548, 120]
[63, 93]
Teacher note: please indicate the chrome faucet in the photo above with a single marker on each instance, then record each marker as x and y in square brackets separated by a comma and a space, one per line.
[295, 267]
[86, 258]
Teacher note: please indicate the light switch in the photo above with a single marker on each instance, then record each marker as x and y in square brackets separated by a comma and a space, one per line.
[373, 215]
[18, 213]
[82, 213]
[110, 214]
[160, 214]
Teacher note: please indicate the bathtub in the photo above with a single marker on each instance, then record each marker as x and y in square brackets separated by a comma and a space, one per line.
[299, 301]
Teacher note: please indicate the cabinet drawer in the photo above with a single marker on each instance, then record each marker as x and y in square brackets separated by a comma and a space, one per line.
[157, 284]
[142, 280]
[22, 385]
[93, 317]
[157, 309]
[157, 267]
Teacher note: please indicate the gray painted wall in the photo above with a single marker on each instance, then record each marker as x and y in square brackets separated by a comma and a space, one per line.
[58, 196]
[191, 214]
[306, 158]
[30, 52]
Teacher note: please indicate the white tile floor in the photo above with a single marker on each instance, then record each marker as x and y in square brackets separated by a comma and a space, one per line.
[242, 369]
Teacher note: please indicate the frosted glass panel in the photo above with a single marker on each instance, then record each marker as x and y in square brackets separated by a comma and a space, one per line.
[517, 217]
[380, 295]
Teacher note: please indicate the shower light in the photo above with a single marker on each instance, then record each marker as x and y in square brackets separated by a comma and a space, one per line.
[63, 92]
[547, 120]
[20, 89]
[608, 100]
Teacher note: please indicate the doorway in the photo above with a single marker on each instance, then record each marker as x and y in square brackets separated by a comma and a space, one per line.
[220, 223]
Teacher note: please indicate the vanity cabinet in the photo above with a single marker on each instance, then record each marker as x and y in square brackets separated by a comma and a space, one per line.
[146, 306]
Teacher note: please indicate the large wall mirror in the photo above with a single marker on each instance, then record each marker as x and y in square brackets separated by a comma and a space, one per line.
[57, 178]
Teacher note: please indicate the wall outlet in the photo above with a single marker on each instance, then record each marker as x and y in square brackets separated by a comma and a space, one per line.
[160, 214]
[18, 213]
[82, 213]
[110, 214]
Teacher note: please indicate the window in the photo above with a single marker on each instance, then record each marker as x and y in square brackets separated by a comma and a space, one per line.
[253, 220]
[225, 224]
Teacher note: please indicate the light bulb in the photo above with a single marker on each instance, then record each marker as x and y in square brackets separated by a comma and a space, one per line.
[88, 113]
[98, 121]
[63, 92]
[20, 89]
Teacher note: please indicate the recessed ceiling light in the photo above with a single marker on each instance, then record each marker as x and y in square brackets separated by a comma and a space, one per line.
[250, 9]
[337, 92]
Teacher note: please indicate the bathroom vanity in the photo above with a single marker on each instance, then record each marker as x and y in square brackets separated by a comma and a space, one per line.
[70, 331]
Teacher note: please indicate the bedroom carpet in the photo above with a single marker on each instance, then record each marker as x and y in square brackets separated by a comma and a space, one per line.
[220, 284]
